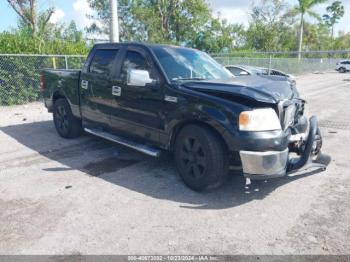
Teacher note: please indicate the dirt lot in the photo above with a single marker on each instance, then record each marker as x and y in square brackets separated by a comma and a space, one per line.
[89, 196]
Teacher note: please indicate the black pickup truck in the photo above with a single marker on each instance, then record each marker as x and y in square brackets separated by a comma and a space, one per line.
[160, 97]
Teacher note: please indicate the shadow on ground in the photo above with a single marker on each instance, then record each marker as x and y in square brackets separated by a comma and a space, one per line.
[156, 178]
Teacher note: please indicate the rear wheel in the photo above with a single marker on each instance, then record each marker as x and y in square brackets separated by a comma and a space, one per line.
[200, 158]
[67, 125]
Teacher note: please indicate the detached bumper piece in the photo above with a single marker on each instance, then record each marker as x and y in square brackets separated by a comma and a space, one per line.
[273, 164]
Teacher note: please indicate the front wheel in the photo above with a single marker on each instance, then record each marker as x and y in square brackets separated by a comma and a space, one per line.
[200, 158]
[342, 70]
[67, 125]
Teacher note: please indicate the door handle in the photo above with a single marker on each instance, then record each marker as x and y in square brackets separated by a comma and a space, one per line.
[116, 90]
[84, 84]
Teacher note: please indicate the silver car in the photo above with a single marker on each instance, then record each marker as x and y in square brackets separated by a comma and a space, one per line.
[244, 70]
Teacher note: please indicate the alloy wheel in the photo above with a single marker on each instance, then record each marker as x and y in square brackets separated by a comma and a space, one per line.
[193, 157]
[62, 119]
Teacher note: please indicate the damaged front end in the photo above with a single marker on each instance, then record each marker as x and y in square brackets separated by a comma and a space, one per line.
[282, 141]
[304, 144]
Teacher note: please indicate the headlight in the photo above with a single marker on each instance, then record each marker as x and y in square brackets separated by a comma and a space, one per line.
[264, 119]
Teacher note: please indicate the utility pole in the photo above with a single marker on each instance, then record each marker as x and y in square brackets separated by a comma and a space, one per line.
[114, 26]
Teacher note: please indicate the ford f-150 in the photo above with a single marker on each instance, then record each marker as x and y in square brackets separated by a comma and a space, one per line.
[160, 97]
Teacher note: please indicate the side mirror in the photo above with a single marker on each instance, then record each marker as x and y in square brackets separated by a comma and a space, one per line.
[138, 78]
[243, 73]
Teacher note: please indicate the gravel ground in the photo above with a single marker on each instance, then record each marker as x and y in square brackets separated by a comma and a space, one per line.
[90, 196]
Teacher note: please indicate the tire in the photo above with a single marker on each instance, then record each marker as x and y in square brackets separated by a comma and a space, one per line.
[200, 158]
[342, 70]
[67, 125]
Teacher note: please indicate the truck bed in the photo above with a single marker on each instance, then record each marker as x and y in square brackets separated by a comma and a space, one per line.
[61, 83]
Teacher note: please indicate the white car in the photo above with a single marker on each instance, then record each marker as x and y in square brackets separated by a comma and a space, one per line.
[343, 66]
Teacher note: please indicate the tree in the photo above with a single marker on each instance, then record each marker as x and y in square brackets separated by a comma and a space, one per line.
[101, 19]
[269, 28]
[28, 12]
[218, 36]
[304, 8]
[335, 13]
[71, 33]
[171, 21]
[161, 21]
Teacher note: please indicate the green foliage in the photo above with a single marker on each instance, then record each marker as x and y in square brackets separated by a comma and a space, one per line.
[181, 22]
[19, 76]
[334, 13]
[17, 81]
[15, 43]
[218, 36]
[269, 29]
[30, 16]
[304, 8]
[342, 42]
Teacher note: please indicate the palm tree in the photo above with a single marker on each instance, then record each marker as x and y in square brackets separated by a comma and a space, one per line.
[304, 8]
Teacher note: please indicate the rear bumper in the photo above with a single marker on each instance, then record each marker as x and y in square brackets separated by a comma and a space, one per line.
[273, 164]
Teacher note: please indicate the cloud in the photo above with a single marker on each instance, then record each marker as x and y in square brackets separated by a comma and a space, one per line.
[81, 10]
[229, 3]
[57, 16]
[238, 11]
[234, 15]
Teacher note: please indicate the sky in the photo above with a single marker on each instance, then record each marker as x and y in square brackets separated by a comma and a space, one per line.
[235, 11]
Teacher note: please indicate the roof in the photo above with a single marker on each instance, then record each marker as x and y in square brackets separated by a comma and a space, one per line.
[147, 45]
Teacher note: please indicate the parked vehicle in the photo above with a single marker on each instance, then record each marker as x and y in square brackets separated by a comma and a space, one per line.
[244, 70]
[343, 66]
[158, 97]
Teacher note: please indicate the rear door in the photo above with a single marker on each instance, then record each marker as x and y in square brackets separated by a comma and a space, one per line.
[137, 111]
[96, 89]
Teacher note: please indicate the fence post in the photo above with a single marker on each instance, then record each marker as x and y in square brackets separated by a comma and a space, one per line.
[54, 62]
[270, 63]
[66, 60]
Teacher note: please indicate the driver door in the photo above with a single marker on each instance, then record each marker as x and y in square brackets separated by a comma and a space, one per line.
[137, 110]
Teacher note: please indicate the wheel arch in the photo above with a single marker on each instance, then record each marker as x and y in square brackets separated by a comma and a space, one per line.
[57, 95]
[177, 129]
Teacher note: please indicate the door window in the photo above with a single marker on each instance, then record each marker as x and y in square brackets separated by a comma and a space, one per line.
[133, 60]
[102, 62]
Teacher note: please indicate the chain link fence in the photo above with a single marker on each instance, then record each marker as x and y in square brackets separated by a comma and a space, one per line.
[288, 62]
[19, 74]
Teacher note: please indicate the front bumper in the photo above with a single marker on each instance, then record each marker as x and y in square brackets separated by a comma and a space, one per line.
[272, 164]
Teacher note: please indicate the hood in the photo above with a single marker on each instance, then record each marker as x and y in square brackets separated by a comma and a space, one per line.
[266, 89]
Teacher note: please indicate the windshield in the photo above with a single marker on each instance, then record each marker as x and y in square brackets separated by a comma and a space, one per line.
[189, 64]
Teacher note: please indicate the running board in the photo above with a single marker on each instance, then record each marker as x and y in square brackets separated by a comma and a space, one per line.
[151, 151]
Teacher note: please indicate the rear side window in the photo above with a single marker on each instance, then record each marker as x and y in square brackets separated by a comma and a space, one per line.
[102, 62]
[277, 73]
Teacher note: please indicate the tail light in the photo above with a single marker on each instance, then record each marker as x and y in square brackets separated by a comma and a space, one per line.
[42, 82]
